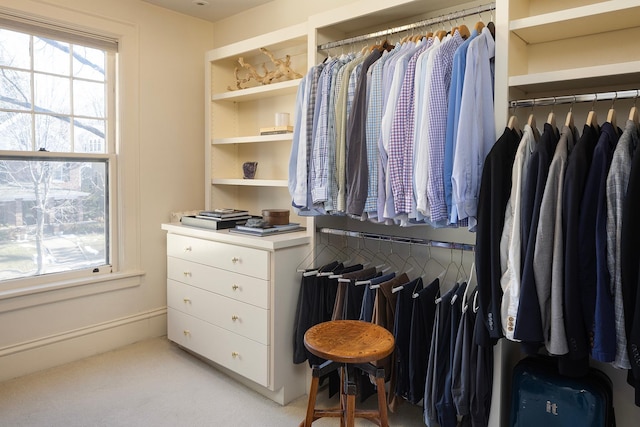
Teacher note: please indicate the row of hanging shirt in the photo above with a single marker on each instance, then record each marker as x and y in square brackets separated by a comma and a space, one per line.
[436, 360]
[399, 134]
[561, 210]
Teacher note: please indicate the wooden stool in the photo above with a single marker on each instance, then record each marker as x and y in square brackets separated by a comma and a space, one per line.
[348, 344]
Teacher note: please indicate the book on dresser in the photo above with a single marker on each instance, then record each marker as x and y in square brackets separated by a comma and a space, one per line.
[268, 231]
[225, 214]
[212, 223]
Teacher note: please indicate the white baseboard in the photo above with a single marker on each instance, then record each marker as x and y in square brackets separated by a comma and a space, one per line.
[46, 352]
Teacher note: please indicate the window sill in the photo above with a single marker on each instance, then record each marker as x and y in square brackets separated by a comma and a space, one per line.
[29, 296]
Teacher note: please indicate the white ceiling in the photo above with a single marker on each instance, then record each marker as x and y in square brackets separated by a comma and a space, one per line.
[210, 10]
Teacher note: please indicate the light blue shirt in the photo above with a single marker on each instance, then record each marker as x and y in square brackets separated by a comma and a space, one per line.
[476, 129]
[453, 114]
[298, 158]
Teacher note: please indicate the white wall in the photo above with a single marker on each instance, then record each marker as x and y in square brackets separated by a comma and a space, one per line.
[162, 133]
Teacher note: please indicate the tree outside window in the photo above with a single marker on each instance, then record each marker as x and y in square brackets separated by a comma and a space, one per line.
[55, 156]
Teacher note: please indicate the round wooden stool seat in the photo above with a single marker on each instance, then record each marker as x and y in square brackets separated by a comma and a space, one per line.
[349, 341]
[348, 345]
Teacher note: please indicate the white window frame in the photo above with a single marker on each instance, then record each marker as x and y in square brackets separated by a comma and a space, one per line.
[124, 269]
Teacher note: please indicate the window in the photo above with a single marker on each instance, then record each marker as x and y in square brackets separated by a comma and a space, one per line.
[57, 151]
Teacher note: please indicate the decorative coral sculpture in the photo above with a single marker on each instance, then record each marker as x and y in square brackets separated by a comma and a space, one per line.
[281, 72]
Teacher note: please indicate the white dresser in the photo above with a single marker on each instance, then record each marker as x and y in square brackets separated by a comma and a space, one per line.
[232, 298]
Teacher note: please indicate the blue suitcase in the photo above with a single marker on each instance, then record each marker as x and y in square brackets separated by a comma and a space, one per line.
[542, 397]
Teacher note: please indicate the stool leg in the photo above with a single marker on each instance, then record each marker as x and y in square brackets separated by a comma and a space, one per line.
[313, 392]
[343, 395]
[382, 401]
[351, 391]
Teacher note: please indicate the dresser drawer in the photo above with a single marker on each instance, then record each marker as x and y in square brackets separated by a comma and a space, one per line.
[240, 318]
[244, 356]
[233, 285]
[238, 259]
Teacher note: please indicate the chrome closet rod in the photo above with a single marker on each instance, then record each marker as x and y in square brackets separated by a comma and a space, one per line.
[570, 99]
[403, 28]
[398, 239]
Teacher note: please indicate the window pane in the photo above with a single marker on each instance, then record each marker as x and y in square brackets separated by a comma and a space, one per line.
[16, 131]
[51, 56]
[52, 94]
[52, 133]
[14, 49]
[15, 89]
[88, 63]
[52, 217]
[89, 136]
[88, 99]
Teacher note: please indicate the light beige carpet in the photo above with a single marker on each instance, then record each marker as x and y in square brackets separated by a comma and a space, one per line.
[153, 383]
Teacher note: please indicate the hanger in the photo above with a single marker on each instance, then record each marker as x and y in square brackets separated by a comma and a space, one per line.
[531, 121]
[611, 115]
[465, 304]
[633, 113]
[335, 254]
[440, 34]
[551, 118]
[464, 31]
[513, 122]
[569, 120]
[592, 118]
[479, 25]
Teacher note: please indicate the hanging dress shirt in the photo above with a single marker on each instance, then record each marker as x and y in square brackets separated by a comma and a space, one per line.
[320, 151]
[374, 115]
[511, 242]
[453, 113]
[617, 181]
[357, 165]
[476, 129]
[342, 108]
[298, 158]
[440, 81]
[392, 141]
[401, 140]
[385, 132]
[548, 265]
[423, 122]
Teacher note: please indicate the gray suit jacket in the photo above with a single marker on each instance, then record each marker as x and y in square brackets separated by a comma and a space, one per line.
[548, 261]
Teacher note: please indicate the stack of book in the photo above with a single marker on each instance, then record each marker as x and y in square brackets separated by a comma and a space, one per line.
[217, 219]
[267, 230]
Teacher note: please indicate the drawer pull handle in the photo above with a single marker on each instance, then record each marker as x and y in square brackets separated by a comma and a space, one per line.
[187, 249]
[235, 260]
[234, 318]
[235, 287]
[187, 300]
[235, 354]
[187, 273]
[186, 332]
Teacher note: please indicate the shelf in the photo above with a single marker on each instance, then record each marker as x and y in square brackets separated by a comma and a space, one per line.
[577, 22]
[283, 38]
[253, 139]
[259, 92]
[251, 182]
[575, 78]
